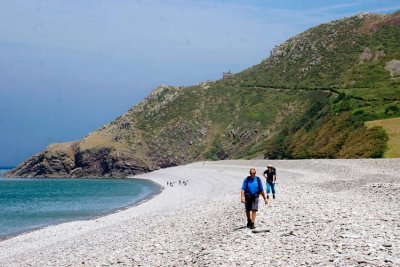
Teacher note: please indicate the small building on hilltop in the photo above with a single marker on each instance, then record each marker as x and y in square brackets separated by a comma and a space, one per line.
[227, 75]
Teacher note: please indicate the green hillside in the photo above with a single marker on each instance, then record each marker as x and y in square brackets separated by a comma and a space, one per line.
[392, 128]
[309, 99]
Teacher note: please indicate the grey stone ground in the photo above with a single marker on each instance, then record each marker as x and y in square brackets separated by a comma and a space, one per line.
[327, 213]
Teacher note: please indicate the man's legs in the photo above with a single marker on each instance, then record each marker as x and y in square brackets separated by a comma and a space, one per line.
[253, 218]
[271, 187]
[268, 189]
[251, 221]
[248, 219]
[248, 205]
[251, 215]
[273, 190]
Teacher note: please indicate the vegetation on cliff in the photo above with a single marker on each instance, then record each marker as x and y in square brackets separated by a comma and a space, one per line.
[309, 99]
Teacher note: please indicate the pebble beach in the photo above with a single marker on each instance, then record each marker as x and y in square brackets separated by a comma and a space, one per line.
[327, 213]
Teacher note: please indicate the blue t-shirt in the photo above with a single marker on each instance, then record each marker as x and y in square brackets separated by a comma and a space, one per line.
[253, 185]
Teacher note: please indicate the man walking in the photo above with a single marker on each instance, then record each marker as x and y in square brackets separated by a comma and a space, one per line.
[270, 176]
[251, 189]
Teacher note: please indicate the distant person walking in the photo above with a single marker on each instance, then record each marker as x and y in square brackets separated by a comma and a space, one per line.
[270, 176]
[251, 189]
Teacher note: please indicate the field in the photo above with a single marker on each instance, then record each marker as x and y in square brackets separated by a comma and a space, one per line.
[392, 128]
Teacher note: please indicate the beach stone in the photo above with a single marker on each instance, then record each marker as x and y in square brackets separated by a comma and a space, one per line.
[341, 230]
[361, 261]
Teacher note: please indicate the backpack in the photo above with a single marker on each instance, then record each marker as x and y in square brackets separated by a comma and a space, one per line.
[274, 170]
[258, 181]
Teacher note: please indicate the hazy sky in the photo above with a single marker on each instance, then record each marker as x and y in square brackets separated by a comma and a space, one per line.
[69, 66]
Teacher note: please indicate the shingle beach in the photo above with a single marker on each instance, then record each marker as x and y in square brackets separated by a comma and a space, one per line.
[327, 213]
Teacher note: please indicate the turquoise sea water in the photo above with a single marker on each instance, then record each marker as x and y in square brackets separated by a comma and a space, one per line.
[27, 204]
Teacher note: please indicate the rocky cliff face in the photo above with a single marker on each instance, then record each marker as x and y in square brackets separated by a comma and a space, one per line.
[309, 99]
[67, 160]
[58, 160]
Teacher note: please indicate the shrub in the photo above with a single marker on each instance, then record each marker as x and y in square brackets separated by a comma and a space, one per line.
[392, 109]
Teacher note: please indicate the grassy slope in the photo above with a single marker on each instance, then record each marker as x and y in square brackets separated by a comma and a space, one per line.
[392, 128]
[217, 121]
[310, 99]
[327, 58]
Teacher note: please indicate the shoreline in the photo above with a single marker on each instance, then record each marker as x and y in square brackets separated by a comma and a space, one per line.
[90, 217]
[327, 212]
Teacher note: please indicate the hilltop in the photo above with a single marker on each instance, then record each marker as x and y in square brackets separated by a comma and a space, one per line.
[309, 99]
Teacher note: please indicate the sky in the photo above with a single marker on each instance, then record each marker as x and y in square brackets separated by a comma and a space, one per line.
[67, 67]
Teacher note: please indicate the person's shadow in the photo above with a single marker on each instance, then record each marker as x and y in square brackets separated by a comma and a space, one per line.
[241, 227]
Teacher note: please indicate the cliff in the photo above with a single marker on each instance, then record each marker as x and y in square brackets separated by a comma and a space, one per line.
[309, 99]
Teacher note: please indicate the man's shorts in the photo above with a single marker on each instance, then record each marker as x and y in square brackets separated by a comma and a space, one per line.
[251, 203]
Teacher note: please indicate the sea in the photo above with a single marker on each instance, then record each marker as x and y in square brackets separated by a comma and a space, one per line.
[27, 204]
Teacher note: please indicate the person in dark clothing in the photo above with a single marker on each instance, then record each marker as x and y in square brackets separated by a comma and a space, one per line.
[251, 190]
[270, 176]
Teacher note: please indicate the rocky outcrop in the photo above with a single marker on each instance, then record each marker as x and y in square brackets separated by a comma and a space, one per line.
[393, 67]
[67, 160]
[366, 55]
[57, 160]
